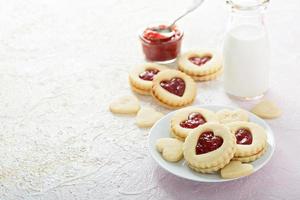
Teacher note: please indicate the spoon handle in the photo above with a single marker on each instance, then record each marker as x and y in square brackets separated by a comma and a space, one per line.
[196, 4]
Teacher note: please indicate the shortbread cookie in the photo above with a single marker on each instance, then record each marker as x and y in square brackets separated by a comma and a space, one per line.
[139, 91]
[266, 109]
[252, 157]
[125, 105]
[199, 63]
[226, 116]
[173, 89]
[209, 169]
[170, 148]
[210, 145]
[146, 117]
[208, 77]
[250, 138]
[175, 136]
[186, 119]
[236, 169]
[140, 77]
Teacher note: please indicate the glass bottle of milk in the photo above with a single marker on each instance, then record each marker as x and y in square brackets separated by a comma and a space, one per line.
[246, 50]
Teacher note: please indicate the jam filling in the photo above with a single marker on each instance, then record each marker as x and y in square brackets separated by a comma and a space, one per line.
[208, 142]
[175, 86]
[243, 136]
[194, 120]
[161, 33]
[148, 74]
[200, 60]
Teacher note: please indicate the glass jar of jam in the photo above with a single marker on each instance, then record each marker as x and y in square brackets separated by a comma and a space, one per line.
[161, 43]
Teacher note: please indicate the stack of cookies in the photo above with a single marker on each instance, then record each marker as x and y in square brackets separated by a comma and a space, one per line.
[201, 65]
[209, 147]
[176, 88]
[170, 88]
[217, 141]
[251, 140]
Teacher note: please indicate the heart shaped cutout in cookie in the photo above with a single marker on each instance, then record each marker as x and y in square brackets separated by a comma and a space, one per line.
[200, 60]
[194, 120]
[208, 142]
[236, 169]
[146, 117]
[243, 136]
[170, 148]
[175, 86]
[148, 74]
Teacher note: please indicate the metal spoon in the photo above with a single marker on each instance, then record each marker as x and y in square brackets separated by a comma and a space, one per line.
[168, 32]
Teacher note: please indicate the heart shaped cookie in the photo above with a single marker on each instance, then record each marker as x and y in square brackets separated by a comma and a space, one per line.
[146, 117]
[266, 109]
[170, 148]
[236, 169]
[125, 105]
[226, 116]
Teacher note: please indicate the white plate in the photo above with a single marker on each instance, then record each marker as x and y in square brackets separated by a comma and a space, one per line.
[162, 129]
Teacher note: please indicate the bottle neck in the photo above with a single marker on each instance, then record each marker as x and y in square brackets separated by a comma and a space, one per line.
[251, 17]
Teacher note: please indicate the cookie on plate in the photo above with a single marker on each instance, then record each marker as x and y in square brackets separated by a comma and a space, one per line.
[251, 140]
[226, 116]
[141, 77]
[186, 119]
[236, 169]
[170, 148]
[201, 65]
[173, 89]
[172, 135]
[209, 147]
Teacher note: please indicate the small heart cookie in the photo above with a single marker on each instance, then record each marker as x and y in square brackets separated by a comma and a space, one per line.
[125, 105]
[146, 117]
[236, 169]
[170, 148]
[226, 116]
[266, 109]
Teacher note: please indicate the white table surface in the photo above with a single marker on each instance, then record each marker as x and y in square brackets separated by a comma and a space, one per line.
[62, 62]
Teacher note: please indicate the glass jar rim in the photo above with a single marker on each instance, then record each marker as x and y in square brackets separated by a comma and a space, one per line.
[141, 31]
[246, 4]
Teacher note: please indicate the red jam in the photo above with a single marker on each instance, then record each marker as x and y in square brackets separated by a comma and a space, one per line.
[243, 136]
[194, 120]
[200, 60]
[208, 142]
[175, 86]
[148, 74]
[161, 45]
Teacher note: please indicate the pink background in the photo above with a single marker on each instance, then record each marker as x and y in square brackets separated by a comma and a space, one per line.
[62, 62]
